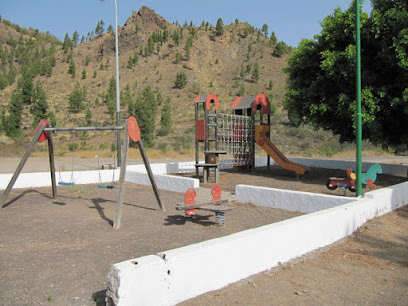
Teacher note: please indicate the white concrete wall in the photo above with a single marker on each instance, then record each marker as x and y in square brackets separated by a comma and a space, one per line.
[135, 174]
[304, 202]
[43, 179]
[165, 182]
[176, 275]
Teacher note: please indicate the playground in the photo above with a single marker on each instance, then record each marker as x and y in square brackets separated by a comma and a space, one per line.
[61, 250]
[60, 246]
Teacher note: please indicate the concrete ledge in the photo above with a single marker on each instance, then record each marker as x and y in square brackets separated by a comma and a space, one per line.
[240, 255]
[135, 174]
[165, 182]
[43, 179]
[304, 202]
[121, 278]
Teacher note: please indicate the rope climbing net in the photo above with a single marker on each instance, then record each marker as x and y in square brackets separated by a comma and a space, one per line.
[234, 135]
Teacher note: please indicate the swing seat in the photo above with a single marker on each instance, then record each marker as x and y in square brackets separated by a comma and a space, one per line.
[106, 186]
[66, 183]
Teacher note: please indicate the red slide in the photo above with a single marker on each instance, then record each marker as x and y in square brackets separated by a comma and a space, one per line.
[261, 138]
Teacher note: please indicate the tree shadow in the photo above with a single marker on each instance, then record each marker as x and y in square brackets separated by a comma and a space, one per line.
[96, 202]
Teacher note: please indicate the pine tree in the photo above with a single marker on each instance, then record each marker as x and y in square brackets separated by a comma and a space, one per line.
[242, 71]
[75, 38]
[76, 99]
[181, 80]
[166, 121]
[67, 45]
[71, 68]
[84, 74]
[176, 37]
[159, 98]
[255, 73]
[88, 116]
[144, 111]
[178, 57]
[241, 91]
[12, 123]
[110, 97]
[51, 117]
[99, 28]
[265, 29]
[39, 107]
[25, 85]
[274, 39]
[126, 97]
[219, 28]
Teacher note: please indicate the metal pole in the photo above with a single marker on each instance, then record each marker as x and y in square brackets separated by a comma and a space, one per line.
[117, 83]
[86, 128]
[358, 98]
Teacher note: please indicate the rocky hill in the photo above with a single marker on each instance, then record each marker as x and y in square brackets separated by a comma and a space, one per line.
[218, 64]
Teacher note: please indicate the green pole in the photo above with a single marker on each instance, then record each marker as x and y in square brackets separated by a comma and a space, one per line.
[358, 100]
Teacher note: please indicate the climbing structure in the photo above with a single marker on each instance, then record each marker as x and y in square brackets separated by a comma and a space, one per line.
[234, 136]
[206, 109]
[258, 108]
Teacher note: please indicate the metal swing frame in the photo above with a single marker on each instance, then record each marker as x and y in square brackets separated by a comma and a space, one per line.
[41, 134]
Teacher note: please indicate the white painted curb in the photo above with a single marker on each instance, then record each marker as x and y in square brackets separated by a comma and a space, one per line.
[174, 276]
[165, 182]
[134, 174]
[299, 201]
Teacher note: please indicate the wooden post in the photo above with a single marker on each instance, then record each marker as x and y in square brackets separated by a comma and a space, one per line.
[119, 202]
[267, 155]
[52, 164]
[150, 173]
[253, 141]
[197, 148]
[22, 162]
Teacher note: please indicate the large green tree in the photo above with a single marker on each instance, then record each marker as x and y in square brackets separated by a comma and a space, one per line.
[322, 75]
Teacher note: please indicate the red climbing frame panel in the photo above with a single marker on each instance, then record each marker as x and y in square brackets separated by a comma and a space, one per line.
[200, 129]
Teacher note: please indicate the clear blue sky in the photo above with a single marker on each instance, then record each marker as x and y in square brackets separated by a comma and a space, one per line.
[291, 20]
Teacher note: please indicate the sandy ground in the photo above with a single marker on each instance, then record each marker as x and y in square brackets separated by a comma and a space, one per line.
[60, 251]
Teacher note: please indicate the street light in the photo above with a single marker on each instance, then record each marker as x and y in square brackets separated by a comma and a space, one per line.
[117, 83]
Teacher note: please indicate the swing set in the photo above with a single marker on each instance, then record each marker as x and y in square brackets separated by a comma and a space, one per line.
[71, 182]
[43, 133]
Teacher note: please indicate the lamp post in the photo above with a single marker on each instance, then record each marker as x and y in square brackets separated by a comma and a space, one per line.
[117, 84]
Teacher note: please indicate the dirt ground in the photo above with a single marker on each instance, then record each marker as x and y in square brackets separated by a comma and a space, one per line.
[60, 251]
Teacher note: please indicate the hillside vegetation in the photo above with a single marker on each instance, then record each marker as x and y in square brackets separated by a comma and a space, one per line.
[77, 78]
